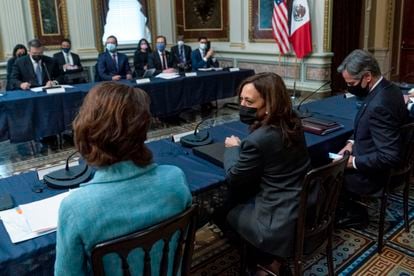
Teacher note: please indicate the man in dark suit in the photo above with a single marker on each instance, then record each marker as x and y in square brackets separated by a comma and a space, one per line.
[161, 59]
[34, 69]
[69, 63]
[375, 145]
[182, 55]
[203, 57]
[113, 65]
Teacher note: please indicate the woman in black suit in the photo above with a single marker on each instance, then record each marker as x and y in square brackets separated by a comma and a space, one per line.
[141, 57]
[265, 170]
[18, 51]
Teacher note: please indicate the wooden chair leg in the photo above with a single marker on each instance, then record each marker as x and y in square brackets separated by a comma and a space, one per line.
[329, 255]
[297, 266]
[381, 224]
[405, 202]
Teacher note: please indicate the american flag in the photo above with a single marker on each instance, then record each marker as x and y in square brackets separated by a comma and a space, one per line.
[280, 27]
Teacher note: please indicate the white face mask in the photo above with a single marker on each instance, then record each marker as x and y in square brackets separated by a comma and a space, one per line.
[180, 43]
[203, 46]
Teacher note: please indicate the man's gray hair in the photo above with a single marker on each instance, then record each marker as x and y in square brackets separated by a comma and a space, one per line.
[358, 62]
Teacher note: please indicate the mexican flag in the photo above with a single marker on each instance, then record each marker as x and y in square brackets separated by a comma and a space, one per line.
[300, 28]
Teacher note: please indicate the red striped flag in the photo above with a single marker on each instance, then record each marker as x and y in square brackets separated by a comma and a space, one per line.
[280, 27]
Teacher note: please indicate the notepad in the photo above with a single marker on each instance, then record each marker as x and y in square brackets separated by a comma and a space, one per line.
[42, 215]
[32, 220]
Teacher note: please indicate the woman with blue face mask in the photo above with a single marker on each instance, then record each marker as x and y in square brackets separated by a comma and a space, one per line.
[161, 59]
[264, 171]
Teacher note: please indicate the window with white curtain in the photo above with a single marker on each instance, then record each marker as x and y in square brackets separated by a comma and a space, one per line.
[126, 21]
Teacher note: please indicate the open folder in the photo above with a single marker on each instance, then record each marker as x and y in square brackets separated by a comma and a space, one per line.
[320, 126]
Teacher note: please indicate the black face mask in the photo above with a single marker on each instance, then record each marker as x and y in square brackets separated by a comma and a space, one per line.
[247, 114]
[358, 90]
[37, 57]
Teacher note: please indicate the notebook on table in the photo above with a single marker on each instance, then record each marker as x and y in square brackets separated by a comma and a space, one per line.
[214, 153]
[320, 126]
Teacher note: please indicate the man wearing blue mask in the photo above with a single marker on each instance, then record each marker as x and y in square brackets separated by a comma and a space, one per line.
[69, 63]
[203, 57]
[113, 65]
[161, 59]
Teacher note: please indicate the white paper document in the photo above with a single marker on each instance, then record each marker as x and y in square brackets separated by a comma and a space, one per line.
[168, 76]
[34, 219]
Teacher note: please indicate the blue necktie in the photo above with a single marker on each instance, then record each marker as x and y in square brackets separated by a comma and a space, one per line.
[38, 73]
[181, 54]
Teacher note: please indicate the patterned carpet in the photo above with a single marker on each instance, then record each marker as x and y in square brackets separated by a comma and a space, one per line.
[354, 250]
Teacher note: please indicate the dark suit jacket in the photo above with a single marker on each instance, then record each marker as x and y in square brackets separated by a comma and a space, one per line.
[198, 62]
[272, 174]
[23, 72]
[107, 69]
[10, 64]
[377, 138]
[60, 59]
[187, 55]
[154, 61]
[140, 60]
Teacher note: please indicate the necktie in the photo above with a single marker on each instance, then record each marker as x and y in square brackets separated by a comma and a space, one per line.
[38, 72]
[114, 60]
[164, 61]
[66, 58]
[180, 53]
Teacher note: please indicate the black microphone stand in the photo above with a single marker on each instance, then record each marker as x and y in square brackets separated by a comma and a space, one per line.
[306, 113]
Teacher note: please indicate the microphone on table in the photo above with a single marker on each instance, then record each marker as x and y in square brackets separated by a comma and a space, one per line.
[306, 113]
[69, 177]
[198, 138]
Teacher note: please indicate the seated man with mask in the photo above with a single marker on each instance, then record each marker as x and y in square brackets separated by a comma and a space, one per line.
[203, 57]
[161, 59]
[182, 55]
[35, 69]
[113, 65]
[375, 145]
[69, 63]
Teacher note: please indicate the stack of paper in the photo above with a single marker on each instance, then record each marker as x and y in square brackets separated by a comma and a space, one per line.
[32, 220]
[168, 76]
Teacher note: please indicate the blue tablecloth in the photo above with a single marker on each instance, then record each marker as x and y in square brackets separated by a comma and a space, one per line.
[27, 115]
[36, 256]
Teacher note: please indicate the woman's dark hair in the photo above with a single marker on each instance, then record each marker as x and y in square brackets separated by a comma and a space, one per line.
[18, 47]
[112, 125]
[139, 45]
[278, 106]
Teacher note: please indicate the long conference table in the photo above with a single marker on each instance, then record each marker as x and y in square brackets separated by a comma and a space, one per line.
[27, 115]
[36, 256]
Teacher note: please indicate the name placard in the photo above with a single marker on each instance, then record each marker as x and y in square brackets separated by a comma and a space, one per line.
[145, 80]
[55, 90]
[191, 74]
[234, 69]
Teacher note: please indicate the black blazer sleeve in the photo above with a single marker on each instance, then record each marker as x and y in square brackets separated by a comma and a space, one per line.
[243, 164]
